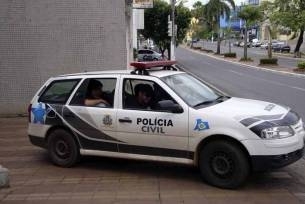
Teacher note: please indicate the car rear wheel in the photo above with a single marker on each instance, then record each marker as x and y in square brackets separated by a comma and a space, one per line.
[223, 164]
[62, 148]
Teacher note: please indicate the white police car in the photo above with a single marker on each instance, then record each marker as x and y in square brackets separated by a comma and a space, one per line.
[186, 122]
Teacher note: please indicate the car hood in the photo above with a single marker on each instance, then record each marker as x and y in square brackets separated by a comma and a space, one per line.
[240, 109]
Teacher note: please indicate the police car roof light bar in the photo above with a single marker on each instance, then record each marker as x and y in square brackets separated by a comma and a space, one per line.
[148, 65]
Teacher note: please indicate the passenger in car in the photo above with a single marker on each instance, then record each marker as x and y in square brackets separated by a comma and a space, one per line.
[95, 95]
[143, 97]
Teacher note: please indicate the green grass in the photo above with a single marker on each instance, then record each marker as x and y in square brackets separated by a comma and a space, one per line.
[301, 65]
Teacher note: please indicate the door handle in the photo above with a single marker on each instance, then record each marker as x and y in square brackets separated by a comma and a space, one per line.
[125, 120]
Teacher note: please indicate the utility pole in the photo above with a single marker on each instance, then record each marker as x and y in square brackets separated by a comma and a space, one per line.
[173, 38]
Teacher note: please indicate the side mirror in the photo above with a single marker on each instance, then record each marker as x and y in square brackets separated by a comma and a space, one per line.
[169, 105]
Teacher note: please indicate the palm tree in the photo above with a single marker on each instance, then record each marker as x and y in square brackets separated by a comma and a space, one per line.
[215, 9]
[251, 15]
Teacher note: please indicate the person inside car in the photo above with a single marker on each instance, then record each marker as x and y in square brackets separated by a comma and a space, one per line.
[143, 97]
[95, 95]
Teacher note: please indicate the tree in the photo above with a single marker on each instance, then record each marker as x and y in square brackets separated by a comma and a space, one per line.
[267, 9]
[198, 10]
[183, 19]
[156, 24]
[290, 14]
[214, 10]
[251, 15]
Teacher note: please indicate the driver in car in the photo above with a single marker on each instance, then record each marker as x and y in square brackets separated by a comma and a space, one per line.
[95, 95]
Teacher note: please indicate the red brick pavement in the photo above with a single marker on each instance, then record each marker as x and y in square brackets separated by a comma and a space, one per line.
[33, 179]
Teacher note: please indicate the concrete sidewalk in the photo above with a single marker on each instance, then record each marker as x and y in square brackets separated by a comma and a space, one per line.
[102, 180]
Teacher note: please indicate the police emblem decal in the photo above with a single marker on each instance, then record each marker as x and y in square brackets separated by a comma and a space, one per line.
[201, 125]
[107, 120]
[39, 112]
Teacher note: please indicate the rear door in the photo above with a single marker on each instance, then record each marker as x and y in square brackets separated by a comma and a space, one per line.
[95, 125]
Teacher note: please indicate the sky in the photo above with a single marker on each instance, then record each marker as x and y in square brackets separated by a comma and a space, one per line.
[190, 3]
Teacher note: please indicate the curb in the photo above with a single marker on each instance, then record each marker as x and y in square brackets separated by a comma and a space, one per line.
[4, 178]
[248, 66]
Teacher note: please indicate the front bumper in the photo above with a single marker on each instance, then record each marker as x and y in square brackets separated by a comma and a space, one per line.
[263, 163]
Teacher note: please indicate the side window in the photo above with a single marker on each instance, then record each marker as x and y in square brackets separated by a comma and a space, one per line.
[58, 92]
[144, 95]
[141, 52]
[96, 92]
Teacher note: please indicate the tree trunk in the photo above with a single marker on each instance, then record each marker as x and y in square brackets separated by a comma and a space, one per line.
[218, 44]
[297, 52]
[168, 52]
[269, 43]
[162, 50]
[245, 43]
[218, 36]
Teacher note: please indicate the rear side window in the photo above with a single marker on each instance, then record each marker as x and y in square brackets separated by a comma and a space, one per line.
[58, 91]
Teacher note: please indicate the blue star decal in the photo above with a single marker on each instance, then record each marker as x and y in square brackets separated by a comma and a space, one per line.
[39, 113]
[201, 125]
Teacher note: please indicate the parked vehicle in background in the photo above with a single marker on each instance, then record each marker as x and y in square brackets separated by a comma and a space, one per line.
[256, 43]
[242, 44]
[237, 43]
[148, 55]
[264, 45]
[274, 43]
[281, 48]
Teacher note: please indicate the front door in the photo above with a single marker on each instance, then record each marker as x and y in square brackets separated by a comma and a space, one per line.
[145, 129]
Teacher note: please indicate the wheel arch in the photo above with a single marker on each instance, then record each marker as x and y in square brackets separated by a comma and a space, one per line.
[56, 127]
[211, 138]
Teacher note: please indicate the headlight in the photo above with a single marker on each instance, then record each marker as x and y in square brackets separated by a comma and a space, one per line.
[277, 132]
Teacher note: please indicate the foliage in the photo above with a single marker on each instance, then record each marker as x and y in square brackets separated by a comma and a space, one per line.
[230, 54]
[135, 53]
[198, 10]
[251, 14]
[155, 24]
[301, 65]
[215, 9]
[290, 14]
[272, 61]
[156, 20]
[248, 59]
[183, 17]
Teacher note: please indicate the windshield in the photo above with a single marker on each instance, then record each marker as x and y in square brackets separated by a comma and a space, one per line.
[191, 90]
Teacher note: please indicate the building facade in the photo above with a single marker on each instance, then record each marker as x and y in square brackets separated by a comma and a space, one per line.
[237, 25]
[40, 39]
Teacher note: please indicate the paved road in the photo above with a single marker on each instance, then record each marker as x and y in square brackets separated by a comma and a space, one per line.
[240, 81]
[255, 53]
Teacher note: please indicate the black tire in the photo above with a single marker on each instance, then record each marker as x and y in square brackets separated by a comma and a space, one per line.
[62, 148]
[223, 164]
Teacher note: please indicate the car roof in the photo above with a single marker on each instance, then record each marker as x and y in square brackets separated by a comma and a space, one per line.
[152, 72]
[155, 69]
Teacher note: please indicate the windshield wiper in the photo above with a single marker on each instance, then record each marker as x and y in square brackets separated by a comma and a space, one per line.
[208, 102]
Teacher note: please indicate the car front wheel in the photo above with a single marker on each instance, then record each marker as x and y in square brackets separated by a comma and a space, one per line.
[62, 148]
[223, 164]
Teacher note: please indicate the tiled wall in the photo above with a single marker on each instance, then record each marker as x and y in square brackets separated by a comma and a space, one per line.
[44, 38]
